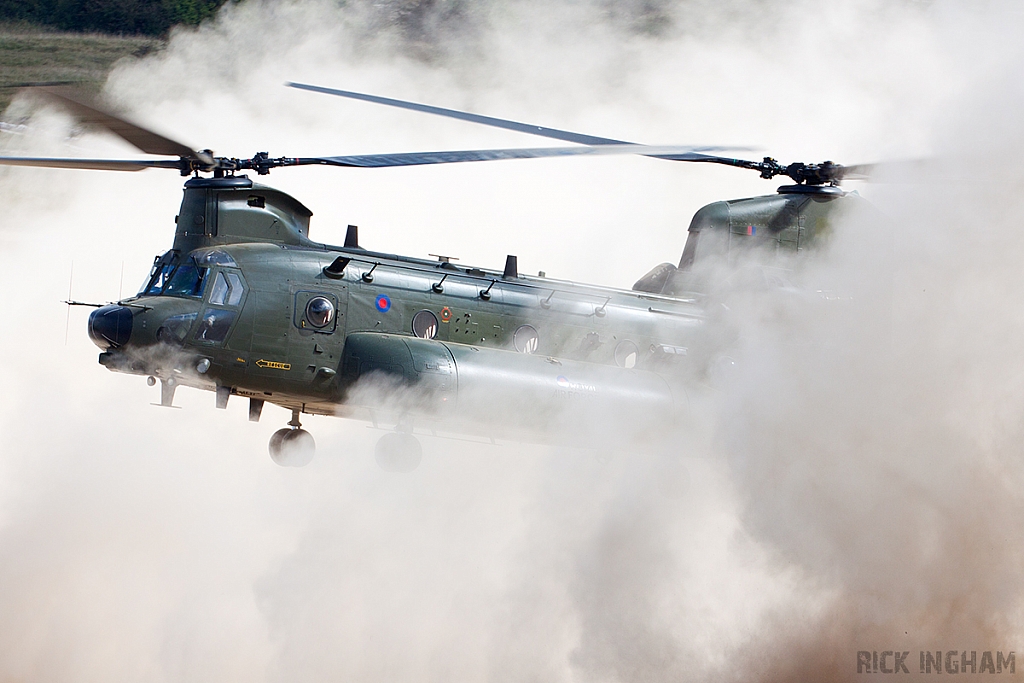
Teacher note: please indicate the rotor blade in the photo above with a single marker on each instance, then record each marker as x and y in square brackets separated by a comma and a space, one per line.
[91, 113]
[860, 171]
[564, 135]
[897, 169]
[729, 161]
[451, 157]
[710, 159]
[38, 84]
[92, 164]
[871, 171]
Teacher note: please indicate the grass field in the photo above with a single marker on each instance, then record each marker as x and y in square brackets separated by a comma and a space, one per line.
[29, 54]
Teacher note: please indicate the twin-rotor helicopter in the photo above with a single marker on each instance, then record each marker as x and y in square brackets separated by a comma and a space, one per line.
[245, 304]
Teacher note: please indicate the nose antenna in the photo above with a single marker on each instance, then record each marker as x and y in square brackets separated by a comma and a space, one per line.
[67, 318]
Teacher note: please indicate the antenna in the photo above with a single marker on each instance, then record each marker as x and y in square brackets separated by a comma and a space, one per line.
[511, 267]
[67, 318]
[352, 237]
[486, 293]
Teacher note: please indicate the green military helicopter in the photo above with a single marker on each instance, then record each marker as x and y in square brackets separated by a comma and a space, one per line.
[246, 304]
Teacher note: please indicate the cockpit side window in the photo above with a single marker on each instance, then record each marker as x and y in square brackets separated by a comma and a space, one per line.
[159, 280]
[154, 284]
[227, 289]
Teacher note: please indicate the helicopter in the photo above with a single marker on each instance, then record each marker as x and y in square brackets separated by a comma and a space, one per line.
[245, 304]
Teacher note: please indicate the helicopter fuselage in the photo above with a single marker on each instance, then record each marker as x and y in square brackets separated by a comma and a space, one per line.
[245, 304]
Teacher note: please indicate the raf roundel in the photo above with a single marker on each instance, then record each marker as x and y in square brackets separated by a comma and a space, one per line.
[383, 303]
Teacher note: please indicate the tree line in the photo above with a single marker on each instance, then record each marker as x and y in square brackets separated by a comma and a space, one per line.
[123, 17]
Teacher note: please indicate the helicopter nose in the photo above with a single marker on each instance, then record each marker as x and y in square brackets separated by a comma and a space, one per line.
[110, 326]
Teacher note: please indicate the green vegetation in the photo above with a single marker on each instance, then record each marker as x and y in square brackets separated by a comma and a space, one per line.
[79, 40]
[118, 17]
[30, 55]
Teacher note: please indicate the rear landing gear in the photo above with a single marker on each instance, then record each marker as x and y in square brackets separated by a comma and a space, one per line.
[292, 446]
[398, 452]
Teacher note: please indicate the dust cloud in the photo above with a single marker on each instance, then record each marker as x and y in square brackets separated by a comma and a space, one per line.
[853, 486]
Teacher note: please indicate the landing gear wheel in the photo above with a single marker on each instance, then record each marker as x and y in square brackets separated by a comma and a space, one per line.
[398, 452]
[292, 447]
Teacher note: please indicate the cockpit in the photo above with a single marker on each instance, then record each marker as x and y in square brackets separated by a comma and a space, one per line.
[182, 276]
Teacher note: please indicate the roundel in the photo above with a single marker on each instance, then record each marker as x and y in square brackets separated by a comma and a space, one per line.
[383, 303]
[446, 314]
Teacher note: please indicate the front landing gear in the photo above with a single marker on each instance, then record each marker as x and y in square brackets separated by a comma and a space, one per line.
[292, 446]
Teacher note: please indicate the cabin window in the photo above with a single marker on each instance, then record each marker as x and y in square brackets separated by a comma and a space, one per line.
[227, 289]
[319, 312]
[316, 312]
[424, 325]
[526, 339]
[627, 353]
[214, 325]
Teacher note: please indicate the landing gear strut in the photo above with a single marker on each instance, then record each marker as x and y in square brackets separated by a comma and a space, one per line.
[292, 446]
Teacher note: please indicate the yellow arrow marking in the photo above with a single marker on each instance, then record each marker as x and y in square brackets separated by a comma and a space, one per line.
[273, 365]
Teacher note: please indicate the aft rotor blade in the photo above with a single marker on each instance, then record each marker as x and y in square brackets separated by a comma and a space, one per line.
[87, 111]
[554, 133]
[451, 157]
[859, 171]
[92, 164]
[813, 174]
[899, 169]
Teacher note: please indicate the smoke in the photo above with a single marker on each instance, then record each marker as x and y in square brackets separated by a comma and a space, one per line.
[854, 485]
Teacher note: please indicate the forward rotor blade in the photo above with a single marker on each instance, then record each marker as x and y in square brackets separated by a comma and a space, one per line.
[92, 113]
[424, 158]
[92, 164]
[554, 133]
[506, 124]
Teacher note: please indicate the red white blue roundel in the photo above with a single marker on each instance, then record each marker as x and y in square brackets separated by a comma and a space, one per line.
[563, 381]
[383, 303]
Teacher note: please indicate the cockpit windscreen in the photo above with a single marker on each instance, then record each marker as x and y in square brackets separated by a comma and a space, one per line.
[175, 276]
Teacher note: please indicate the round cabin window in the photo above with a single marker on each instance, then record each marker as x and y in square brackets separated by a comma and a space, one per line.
[319, 312]
[626, 354]
[424, 325]
[526, 339]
